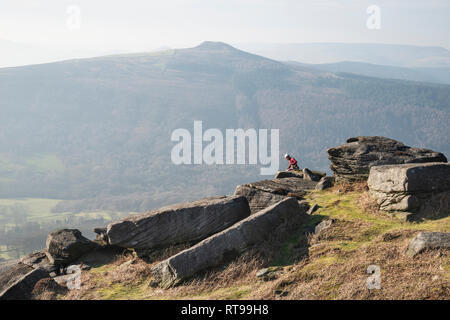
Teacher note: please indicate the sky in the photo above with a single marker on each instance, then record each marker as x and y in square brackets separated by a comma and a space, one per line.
[107, 26]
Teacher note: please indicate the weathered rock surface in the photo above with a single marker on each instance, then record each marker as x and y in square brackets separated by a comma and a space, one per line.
[309, 175]
[181, 223]
[20, 282]
[268, 274]
[422, 190]
[263, 194]
[227, 244]
[289, 174]
[428, 241]
[101, 235]
[353, 160]
[5, 265]
[16, 279]
[323, 225]
[38, 260]
[325, 183]
[67, 245]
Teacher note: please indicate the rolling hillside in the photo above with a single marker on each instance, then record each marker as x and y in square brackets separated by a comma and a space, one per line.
[100, 128]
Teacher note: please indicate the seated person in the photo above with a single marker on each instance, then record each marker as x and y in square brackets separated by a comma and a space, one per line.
[292, 163]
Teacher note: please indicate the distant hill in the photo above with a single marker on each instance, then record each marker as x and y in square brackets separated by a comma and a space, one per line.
[436, 75]
[19, 54]
[100, 128]
[382, 54]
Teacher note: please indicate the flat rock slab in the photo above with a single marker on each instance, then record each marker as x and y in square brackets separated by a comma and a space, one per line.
[227, 244]
[428, 241]
[21, 282]
[38, 260]
[412, 177]
[6, 265]
[263, 194]
[353, 160]
[289, 174]
[181, 223]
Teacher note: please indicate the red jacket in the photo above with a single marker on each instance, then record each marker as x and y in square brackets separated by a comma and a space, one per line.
[292, 161]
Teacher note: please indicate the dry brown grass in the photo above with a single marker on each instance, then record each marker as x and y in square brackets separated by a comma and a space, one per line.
[331, 273]
[369, 205]
[342, 275]
[47, 289]
[236, 273]
[125, 270]
[359, 186]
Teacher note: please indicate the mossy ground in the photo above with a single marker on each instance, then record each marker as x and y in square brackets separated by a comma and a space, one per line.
[331, 265]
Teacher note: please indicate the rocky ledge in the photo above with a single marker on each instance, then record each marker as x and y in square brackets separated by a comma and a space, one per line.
[352, 161]
[263, 194]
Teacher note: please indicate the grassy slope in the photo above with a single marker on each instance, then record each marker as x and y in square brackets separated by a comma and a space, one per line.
[331, 265]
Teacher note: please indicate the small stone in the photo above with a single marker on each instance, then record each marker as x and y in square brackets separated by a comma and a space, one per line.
[281, 293]
[268, 274]
[325, 183]
[323, 225]
[312, 209]
[262, 272]
[308, 175]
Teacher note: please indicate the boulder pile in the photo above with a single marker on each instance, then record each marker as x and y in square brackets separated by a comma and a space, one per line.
[417, 190]
[352, 161]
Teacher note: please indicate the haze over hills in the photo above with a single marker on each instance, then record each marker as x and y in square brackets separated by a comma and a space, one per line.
[383, 54]
[100, 128]
[20, 54]
[430, 74]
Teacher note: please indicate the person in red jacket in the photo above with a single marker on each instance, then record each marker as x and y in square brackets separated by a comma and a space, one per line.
[292, 163]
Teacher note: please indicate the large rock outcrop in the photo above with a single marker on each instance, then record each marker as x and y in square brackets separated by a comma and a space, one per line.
[353, 160]
[181, 223]
[66, 245]
[419, 190]
[263, 194]
[227, 244]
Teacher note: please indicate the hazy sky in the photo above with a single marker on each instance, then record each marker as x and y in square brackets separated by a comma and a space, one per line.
[133, 25]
